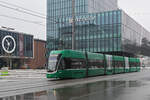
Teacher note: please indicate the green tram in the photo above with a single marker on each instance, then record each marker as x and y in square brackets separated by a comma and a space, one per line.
[78, 64]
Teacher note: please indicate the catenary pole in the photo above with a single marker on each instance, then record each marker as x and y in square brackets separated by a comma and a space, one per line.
[73, 24]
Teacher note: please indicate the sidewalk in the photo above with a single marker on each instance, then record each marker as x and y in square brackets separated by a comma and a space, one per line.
[25, 73]
[28, 70]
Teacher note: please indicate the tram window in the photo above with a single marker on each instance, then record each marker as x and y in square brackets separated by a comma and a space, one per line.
[77, 63]
[74, 63]
[115, 63]
[138, 64]
[95, 63]
[134, 64]
[131, 64]
[121, 63]
[118, 64]
[100, 64]
[62, 64]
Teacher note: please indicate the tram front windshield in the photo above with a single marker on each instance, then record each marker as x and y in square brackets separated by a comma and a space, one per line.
[52, 62]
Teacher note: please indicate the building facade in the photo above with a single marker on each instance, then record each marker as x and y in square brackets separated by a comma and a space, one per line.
[98, 32]
[63, 8]
[108, 30]
[14, 48]
[135, 38]
[95, 6]
[21, 44]
[39, 60]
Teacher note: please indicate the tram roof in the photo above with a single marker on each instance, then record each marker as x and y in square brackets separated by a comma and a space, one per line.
[78, 54]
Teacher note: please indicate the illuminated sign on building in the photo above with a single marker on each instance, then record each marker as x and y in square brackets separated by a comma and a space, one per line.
[9, 44]
[82, 19]
[16, 44]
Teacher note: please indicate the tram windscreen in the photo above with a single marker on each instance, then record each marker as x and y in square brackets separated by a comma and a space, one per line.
[52, 62]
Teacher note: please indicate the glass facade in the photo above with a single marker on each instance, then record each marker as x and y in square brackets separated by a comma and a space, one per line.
[62, 9]
[24, 44]
[96, 28]
[96, 6]
[99, 32]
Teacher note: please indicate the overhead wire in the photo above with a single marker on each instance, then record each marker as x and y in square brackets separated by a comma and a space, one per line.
[26, 11]
[30, 12]
[22, 8]
[17, 9]
[24, 20]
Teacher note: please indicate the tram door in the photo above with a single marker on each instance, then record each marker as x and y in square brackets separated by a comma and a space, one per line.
[109, 61]
[126, 64]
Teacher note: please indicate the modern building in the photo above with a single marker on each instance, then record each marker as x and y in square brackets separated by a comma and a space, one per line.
[99, 27]
[15, 47]
[63, 8]
[39, 60]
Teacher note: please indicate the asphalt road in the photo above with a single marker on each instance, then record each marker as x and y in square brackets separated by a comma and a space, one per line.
[131, 86]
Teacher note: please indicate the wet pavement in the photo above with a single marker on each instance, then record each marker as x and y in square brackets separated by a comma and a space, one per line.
[132, 86]
[25, 73]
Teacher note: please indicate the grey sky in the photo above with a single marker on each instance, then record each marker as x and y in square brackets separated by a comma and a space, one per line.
[29, 28]
[137, 9]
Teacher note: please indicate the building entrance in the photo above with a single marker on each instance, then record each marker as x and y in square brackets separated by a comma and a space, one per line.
[11, 63]
[2, 63]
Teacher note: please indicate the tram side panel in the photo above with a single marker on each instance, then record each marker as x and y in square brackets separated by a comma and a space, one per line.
[95, 64]
[118, 64]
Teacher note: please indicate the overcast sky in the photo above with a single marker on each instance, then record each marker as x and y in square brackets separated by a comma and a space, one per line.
[37, 30]
[137, 9]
